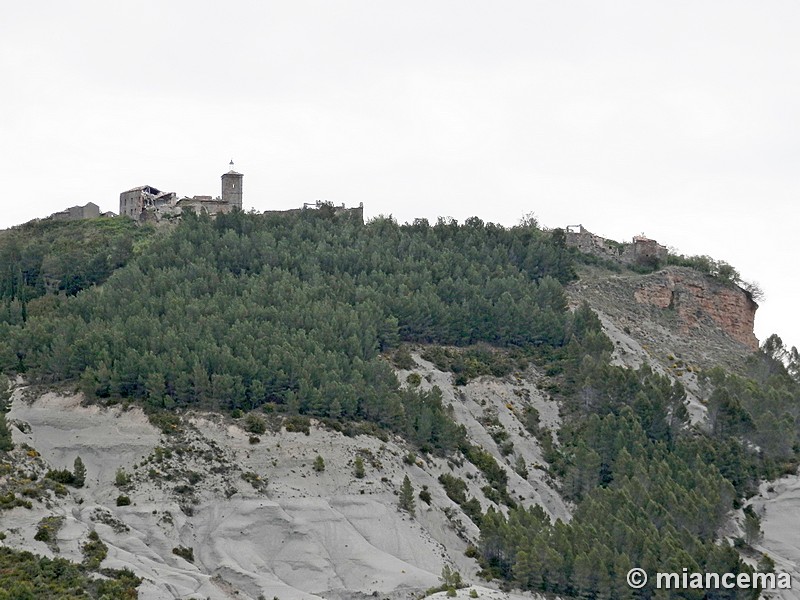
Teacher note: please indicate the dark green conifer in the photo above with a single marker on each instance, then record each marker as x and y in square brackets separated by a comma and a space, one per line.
[407, 502]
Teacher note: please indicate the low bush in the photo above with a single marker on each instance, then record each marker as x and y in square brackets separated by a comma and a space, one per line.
[255, 424]
[64, 476]
[298, 423]
[185, 553]
[94, 552]
[167, 422]
[122, 479]
[319, 464]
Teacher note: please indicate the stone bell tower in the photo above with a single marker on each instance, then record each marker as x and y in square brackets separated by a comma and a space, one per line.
[232, 188]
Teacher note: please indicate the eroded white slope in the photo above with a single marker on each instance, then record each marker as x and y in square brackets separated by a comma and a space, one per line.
[489, 400]
[297, 533]
[778, 504]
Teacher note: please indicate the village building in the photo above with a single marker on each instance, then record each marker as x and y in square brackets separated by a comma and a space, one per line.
[147, 204]
[75, 213]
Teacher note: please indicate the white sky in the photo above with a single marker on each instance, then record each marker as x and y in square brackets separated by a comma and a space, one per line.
[677, 119]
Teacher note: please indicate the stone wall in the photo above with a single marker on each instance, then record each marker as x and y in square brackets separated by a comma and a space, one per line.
[641, 251]
[204, 204]
[589, 243]
[76, 213]
[356, 212]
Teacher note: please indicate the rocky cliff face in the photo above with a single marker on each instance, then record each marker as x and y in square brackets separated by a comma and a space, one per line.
[697, 300]
[676, 318]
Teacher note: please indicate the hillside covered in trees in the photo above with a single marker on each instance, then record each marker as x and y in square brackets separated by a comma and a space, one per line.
[303, 314]
[295, 311]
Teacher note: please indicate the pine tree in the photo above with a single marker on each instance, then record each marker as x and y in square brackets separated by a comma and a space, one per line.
[407, 502]
[521, 468]
[319, 464]
[752, 526]
[5, 435]
[79, 472]
[358, 470]
[451, 579]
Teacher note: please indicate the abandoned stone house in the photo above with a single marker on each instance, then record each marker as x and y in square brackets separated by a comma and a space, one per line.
[74, 213]
[642, 250]
[148, 204]
[135, 202]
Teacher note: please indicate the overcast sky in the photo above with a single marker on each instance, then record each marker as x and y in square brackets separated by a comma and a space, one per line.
[675, 119]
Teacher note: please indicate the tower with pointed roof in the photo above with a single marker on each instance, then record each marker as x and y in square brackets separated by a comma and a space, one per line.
[232, 188]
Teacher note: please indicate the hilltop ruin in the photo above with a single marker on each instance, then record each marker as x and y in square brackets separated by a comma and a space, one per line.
[641, 251]
[147, 204]
[90, 210]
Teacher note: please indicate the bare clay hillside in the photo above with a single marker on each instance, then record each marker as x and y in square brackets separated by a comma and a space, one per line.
[216, 514]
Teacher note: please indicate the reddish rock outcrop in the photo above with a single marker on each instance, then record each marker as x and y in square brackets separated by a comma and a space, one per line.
[700, 300]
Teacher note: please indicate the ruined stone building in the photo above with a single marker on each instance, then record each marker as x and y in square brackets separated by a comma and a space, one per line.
[641, 251]
[148, 204]
[74, 213]
[356, 212]
[136, 202]
[646, 251]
